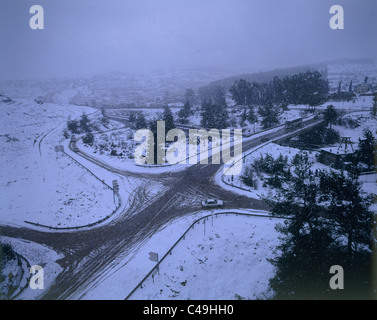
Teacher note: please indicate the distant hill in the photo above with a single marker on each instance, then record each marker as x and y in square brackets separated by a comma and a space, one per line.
[343, 70]
[267, 76]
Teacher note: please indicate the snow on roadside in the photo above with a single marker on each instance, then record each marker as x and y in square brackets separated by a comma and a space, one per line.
[117, 281]
[235, 247]
[365, 121]
[237, 186]
[36, 254]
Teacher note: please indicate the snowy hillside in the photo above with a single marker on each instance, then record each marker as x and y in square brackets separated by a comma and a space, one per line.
[352, 70]
[41, 185]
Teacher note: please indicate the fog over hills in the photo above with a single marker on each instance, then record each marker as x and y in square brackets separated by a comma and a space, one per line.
[120, 89]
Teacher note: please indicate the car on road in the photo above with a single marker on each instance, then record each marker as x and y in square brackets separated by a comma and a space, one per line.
[212, 203]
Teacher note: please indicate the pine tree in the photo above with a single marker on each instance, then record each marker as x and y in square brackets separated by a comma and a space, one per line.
[347, 211]
[251, 116]
[85, 123]
[270, 115]
[241, 92]
[105, 119]
[184, 112]
[190, 97]
[330, 224]
[168, 118]
[367, 150]
[374, 108]
[214, 115]
[140, 121]
[330, 115]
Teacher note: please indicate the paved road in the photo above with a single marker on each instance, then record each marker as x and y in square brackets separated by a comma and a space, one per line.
[87, 253]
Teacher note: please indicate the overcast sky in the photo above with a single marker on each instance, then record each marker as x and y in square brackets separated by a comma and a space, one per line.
[92, 36]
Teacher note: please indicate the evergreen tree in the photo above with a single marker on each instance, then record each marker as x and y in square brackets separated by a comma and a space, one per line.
[184, 112]
[85, 123]
[347, 211]
[140, 121]
[132, 116]
[243, 117]
[214, 109]
[73, 126]
[251, 116]
[330, 224]
[374, 108]
[367, 150]
[270, 115]
[241, 92]
[330, 115]
[168, 118]
[105, 119]
[214, 116]
[190, 97]
[88, 139]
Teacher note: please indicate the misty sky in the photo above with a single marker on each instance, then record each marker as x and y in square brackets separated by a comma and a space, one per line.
[86, 37]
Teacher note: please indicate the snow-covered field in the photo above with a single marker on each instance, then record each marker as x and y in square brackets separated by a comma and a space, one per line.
[235, 246]
[40, 185]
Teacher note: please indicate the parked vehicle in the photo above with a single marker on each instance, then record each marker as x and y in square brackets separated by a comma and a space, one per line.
[212, 203]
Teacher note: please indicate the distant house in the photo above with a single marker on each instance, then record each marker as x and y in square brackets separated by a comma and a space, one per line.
[335, 157]
[363, 88]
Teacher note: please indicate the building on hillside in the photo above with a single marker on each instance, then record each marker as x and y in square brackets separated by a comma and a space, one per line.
[338, 157]
[363, 88]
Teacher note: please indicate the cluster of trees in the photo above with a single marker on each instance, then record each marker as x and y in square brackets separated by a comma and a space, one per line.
[304, 88]
[214, 111]
[319, 136]
[273, 97]
[82, 125]
[343, 95]
[166, 116]
[137, 120]
[270, 115]
[7, 256]
[329, 222]
[276, 169]
[367, 151]
[270, 98]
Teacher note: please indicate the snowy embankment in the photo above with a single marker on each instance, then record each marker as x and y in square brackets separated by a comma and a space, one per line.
[234, 244]
[221, 258]
[38, 184]
[35, 254]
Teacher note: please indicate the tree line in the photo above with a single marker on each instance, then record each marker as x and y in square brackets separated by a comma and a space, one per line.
[309, 88]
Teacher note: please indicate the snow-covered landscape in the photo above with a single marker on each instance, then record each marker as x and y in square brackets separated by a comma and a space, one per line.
[33, 188]
[235, 246]
[37, 195]
[116, 179]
